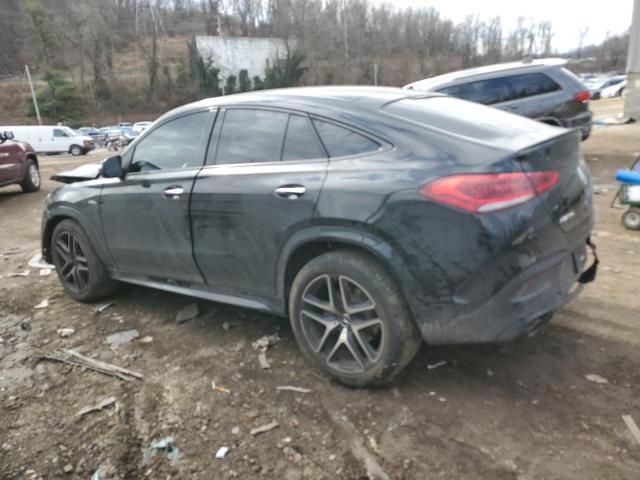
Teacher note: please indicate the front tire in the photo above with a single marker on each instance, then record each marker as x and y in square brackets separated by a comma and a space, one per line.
[76, 150]
[31, 181]
[80, 270]
[350, 319]
[631, 218]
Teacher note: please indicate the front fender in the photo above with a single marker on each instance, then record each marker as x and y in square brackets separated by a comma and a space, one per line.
[78, 202]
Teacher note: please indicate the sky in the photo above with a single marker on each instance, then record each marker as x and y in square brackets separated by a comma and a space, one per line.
[567, 16]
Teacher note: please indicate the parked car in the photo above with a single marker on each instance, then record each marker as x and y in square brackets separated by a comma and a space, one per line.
[124, 124]
[140, 127]
[598, 84]
[18, 164]
[540, 89]
[615, 90]
[52, 139]
[371, 217]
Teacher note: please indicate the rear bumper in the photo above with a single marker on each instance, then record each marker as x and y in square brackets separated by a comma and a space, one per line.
[582, 121]
[513, 311]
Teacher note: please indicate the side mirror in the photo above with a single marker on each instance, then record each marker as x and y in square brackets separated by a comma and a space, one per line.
[112, 167]
[8, 135]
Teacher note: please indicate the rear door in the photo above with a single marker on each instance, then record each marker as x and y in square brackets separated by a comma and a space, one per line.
[145, 216]
[261, 183]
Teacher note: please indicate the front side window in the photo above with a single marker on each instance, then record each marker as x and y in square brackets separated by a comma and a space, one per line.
[58, 132]
[531, 84]
[250, 136]
[341, 141]
[174, 145]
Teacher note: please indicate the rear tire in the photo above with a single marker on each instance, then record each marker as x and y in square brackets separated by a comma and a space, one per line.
[76, 150]
[80, 270]
[350, 319]
[631, 218]
[31, 181]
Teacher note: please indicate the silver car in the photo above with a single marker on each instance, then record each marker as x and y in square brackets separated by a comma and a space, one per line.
[540, 89]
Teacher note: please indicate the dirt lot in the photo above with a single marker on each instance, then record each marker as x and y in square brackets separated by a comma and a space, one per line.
[523, 410]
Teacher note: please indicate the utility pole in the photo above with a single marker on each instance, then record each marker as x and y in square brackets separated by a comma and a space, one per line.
[375, 74]
[632, 98]
[33, 94]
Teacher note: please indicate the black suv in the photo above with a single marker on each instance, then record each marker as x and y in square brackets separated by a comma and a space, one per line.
[370, 217]
[540, 89]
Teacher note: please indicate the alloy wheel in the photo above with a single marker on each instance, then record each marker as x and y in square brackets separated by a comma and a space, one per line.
[34, 175]
[341, 323]
[73, 268]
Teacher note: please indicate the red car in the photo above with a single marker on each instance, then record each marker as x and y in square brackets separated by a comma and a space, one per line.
[18, 164]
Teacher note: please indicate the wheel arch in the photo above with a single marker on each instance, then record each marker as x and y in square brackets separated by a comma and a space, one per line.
[53, 219]
[315, 241]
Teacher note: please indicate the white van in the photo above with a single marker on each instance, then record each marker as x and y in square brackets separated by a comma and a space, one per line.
[52, 139]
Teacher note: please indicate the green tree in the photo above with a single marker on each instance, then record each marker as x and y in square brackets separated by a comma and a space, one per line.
[244, 82]
[258, 84]
[285, 72]
[59, 100]
[230, 86]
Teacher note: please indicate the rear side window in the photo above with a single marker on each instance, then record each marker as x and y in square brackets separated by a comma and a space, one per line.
[250, 136]
[300, 143]
[341, 142]
[531, 84]
[58, 132]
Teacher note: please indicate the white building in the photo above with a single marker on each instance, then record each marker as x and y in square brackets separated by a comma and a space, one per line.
[232, 54]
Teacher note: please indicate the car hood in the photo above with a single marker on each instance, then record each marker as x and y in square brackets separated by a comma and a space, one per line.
[90, 171]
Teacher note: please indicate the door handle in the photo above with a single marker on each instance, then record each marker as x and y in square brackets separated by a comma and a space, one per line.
[290, 192]
[173, 192]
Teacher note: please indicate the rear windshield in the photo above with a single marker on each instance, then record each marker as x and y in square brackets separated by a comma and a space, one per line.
[461, 117]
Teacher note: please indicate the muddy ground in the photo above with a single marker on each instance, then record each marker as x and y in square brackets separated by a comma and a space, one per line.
[522, 410]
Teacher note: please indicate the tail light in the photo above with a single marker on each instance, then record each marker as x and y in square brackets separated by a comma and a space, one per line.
[489, 192]
[583, 96]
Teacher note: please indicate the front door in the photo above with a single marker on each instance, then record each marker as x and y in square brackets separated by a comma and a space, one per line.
[145, 216]
[261, 184]
[10, 164]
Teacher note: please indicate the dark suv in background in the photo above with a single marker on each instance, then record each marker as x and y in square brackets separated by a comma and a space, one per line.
[18, 164]
[540, 89]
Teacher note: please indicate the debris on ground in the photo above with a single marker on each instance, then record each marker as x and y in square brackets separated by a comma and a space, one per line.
[96, 475]
[167, 444]
[263, 343]
[439, 364]
[262, 360]
[217, 388]
[228, 324]
[68, 468]
[24, 273]
[489, 372]
[97, 407]
[187, 313]
[25, 325]
[146, 339]
[119, 338]
[42, 305]
[264, 428]
[66, 332]
[45, 272]
[632, 426]
[592, 377]
[71, 357]
[101, 308]
[38, 263]
[291, 388]
[222, 452]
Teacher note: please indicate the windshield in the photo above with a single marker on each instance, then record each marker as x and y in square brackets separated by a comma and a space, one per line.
[70, 132]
